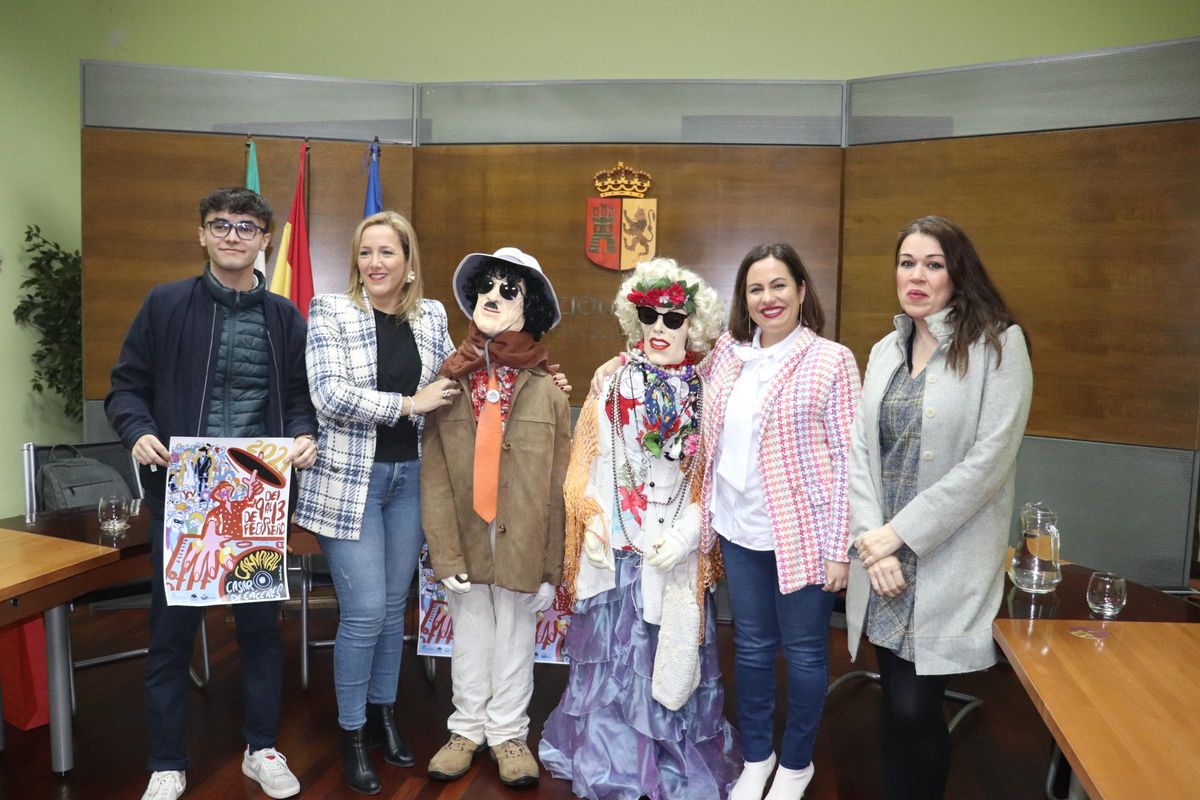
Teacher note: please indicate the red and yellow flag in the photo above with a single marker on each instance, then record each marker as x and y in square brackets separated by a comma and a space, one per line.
[293, 270]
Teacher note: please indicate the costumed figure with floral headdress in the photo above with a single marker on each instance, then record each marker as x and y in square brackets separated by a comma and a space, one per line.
[492, 506]
[642, 712]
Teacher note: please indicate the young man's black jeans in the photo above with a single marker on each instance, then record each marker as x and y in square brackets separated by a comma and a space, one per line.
[172, 641]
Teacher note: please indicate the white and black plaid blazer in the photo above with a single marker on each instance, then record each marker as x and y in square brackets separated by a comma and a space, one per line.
[342, 376]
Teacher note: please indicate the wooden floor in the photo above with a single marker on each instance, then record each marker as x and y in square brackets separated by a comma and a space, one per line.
[1000, 751]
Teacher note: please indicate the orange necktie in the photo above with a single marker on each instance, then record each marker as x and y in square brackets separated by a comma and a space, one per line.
[487, 453]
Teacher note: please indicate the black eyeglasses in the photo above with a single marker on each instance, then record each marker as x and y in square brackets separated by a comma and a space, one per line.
[508, 290]
[246, 230]
[672, 319]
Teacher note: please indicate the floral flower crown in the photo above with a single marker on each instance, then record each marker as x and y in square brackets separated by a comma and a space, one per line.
[665, 293]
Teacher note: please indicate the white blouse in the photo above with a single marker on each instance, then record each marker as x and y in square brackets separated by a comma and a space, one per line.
[739, 508]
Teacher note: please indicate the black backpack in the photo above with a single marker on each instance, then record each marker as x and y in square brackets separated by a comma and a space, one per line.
[77, 481]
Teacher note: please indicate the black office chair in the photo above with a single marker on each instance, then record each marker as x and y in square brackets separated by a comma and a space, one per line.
[970, 701]
[116, 456]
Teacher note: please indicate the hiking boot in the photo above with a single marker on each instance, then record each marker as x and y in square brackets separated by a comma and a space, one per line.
[517, 765]
[454, 759]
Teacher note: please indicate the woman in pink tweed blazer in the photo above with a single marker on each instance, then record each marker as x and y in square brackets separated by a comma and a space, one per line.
[779, 407]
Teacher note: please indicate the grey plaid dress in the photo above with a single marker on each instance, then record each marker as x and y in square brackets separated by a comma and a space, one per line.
[890, 619]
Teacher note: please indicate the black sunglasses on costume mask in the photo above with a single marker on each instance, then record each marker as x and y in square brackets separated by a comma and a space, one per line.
[648, 315]
[508, 290]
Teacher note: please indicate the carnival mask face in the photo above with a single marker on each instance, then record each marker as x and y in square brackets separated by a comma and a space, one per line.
[664, 334]
[499, 304]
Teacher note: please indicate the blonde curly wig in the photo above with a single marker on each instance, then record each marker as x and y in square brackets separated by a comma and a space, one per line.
[707, 322]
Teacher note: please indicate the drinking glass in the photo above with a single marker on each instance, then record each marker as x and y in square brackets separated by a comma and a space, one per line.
[113, 513]
[1106, 593]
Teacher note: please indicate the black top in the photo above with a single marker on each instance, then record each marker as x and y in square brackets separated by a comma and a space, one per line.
[399, 371]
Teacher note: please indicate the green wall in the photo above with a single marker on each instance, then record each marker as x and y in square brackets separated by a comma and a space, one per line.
[42, 42]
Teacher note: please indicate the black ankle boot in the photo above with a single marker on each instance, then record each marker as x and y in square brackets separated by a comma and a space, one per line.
[356, 762]
[381, 731]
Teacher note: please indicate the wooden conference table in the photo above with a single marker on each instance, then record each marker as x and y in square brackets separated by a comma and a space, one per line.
[1121, 696]
[40, 575]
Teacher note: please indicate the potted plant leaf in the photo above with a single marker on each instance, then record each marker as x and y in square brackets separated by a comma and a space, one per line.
[51, 304]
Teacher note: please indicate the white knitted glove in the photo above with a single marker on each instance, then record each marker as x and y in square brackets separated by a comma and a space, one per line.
[457, 583]
[596, 544]
[543, 599]
[668, 551]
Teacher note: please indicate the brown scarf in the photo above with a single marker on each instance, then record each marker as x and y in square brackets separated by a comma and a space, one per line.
[515, 349]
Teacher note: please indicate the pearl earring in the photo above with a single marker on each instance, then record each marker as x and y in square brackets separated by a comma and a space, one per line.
[412, 276]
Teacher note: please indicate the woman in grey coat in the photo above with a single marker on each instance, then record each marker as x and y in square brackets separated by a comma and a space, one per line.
[933, 460]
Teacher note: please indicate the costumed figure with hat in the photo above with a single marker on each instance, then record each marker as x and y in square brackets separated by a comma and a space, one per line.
[492, 506]
[642, 713]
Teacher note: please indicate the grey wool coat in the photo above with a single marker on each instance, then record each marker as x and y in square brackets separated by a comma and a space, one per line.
[959, 520]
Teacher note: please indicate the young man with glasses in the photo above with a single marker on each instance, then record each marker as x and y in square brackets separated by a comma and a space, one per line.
[214, 355]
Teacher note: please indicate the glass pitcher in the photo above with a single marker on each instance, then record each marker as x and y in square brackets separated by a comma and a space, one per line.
[1034, 566]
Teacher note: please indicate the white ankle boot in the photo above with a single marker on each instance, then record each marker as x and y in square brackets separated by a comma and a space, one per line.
[789, 784]
[753, 779]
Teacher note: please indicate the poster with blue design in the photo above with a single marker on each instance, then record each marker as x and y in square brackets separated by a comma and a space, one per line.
[225, 520]
[435, 636]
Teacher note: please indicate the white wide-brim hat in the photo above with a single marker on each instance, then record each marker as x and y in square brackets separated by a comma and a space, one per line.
[468, 266]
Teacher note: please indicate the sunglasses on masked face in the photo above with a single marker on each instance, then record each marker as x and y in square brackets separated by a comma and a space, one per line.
[672, 319]
[508, 290]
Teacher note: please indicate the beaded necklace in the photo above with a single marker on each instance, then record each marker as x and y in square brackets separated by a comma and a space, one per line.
[661, 403]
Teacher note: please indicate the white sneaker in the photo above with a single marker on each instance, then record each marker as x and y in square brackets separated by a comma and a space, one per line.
[166, 785]
[270, 769]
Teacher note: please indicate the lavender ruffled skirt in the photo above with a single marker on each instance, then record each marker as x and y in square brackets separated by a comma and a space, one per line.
[608, 735]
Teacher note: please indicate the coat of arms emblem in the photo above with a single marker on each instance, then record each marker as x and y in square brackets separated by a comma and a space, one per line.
[622, 223]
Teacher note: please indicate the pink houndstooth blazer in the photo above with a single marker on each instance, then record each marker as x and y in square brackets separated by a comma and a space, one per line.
[803, 451]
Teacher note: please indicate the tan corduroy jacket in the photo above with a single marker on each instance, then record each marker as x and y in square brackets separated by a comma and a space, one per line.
[529, 506]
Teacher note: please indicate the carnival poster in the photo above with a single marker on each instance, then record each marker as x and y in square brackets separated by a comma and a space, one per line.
[225, 521]
[436, 634]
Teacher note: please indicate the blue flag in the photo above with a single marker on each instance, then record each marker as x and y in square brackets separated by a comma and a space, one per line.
[374, 201]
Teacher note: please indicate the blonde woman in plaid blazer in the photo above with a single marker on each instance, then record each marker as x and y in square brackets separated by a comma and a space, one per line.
[373, 357]
[779, 408]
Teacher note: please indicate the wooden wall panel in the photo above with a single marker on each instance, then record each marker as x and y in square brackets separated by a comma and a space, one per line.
[714, 204]
[140, 222]
[1093, 237]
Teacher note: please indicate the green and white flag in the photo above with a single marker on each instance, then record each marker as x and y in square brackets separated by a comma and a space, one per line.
[260, 261]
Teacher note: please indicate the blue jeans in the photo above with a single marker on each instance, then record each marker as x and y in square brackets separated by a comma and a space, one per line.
[372, 576]
[764, 620]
